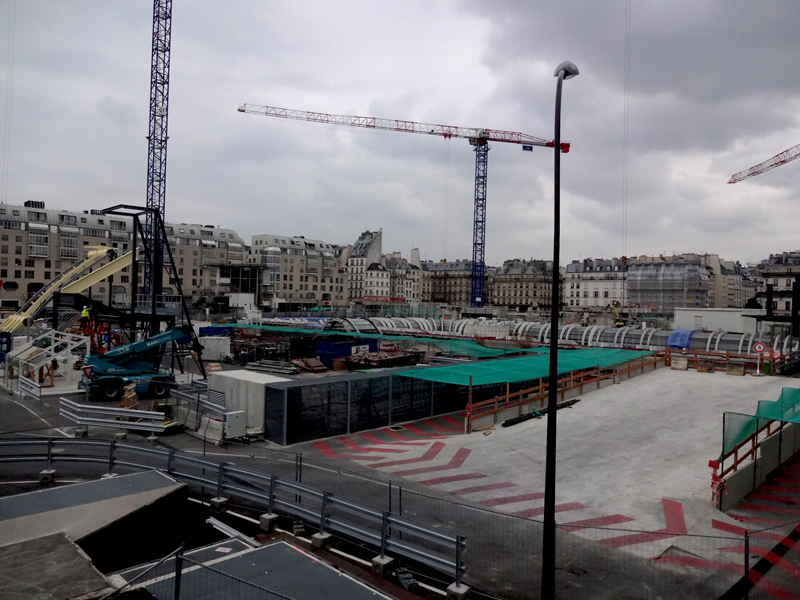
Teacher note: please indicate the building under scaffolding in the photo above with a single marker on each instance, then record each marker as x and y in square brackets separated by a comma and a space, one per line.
[658, 288]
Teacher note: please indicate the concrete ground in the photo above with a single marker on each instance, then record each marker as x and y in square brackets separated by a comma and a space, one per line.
[622, 451]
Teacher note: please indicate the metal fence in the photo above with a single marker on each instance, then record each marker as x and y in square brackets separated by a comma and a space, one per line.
[440, 550]
[504, 551]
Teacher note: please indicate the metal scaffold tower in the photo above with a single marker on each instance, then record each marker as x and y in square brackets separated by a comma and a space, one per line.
[479, 227]
[153, 271]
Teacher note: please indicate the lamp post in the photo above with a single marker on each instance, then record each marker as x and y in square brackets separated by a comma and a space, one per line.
[565, 70]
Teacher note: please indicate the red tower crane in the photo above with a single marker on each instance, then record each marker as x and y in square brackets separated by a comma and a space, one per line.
[776, 161]
[478, 137]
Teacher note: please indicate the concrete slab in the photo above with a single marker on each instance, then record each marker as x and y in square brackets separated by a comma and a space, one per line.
[280, 567]
[80, 509]
[633, 455]
[48, 568]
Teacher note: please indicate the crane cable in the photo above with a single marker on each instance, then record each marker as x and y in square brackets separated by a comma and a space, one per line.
[9, 85]
[446, 189]
[625, 127]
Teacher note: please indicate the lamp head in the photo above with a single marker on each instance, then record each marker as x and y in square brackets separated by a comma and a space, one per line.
[569, 68]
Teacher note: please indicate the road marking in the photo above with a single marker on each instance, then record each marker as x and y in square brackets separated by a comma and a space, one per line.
[373, 439]
[597, 522]
[788, 499]
[783, 564]
[483, 488]
[417, 431]
[513, 499]
[451, 478]
[351, 445]
[451, 420]
[328, 452]
[45, 421]
[537, 512]
[690, 561]
[455, 463]
[402, 438]
[438, 427]
[429, 455]
[736, 530]
[771, 509]
[675, 525]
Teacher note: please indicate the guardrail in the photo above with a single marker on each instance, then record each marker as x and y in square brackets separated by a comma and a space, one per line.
[28, 387]
[433, 547]
[82, 414]
[574, 381]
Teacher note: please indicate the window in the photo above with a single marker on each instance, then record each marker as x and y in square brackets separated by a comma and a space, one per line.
[67, 219]
[192, 231]
[788, 306]
[29, 262]
[83, 219]
[117, 225]
[17, 249]
[17, 274]
[47, 274]
[4, 249]
[69, 248]
[605, 294]
[38, 244]
[124, 278]
[206, 233]
[47, 264]
[596, 294]
[37, 217]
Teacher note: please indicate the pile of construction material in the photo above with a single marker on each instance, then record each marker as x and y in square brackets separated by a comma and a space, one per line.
[273, 366]
[383, 360]
[310, 365]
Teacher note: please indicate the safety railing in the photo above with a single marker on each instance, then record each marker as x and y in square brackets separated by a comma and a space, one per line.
[106, 416]
[436, 548]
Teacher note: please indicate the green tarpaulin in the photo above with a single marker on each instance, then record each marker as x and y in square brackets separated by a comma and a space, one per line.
[454, 347]
[524, 368]
[737, 427]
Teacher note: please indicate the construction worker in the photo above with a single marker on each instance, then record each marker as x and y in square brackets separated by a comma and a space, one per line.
[85, 317]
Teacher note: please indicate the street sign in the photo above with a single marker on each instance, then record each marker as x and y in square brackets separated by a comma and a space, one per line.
[759, 347]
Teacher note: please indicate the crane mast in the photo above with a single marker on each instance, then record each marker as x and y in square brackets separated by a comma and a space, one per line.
[776, 161]
[478, 137]
[153, 271]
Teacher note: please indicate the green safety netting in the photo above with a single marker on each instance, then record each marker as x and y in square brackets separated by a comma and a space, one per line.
[454, 347]
[524, 368]
[738, 427]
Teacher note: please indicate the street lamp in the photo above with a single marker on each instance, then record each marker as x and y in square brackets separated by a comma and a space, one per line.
[565, 70]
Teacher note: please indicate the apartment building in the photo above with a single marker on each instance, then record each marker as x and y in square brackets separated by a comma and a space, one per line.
[450, 281]
[523, 285]
[779, 271]
[298, 272]
[37, 244]
[592, 284]
[365, 251]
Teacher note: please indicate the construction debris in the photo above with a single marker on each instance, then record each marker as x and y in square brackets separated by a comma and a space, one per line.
[273, 366]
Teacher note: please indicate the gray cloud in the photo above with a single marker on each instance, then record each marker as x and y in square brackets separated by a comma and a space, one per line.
[711, 93]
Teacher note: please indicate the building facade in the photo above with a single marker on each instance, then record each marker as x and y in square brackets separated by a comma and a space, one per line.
[298, 272]
[37, 244]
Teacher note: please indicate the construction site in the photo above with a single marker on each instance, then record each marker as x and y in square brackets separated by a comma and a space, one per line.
[148, 450]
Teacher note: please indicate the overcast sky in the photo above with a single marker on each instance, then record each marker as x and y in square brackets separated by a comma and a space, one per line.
[713, 89]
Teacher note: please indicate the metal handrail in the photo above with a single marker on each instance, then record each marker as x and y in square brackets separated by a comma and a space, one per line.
[384, 529]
